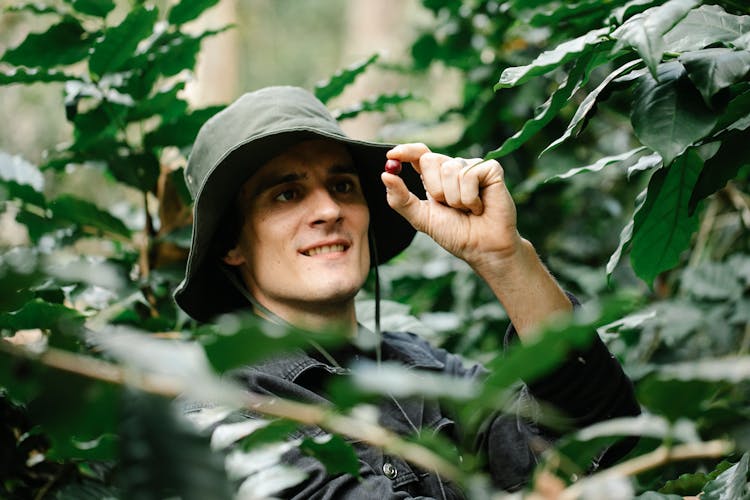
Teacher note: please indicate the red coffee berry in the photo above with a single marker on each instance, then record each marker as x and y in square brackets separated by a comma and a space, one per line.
[393, 167]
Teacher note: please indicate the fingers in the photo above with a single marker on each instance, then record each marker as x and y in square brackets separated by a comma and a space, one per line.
[455, 182]
[403, 201]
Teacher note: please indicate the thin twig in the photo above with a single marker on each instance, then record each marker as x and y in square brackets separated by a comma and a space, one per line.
[661, 456]
[307, 414]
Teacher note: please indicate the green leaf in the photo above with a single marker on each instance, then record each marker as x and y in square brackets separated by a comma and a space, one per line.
[730, 485]
[180, 132]
[98, 8]
[241, 339]
[96, 130]
[334, 86]
[721, 168]
[24, 75]
[35, 8]
[668, 114]
[84, 213]
[70, 41]
[737, 114]
[676, 399]
[21, 179]
[118, 43]
[704, 26]
[663, 227]
[44, 315]
[714, 69]
[166, 104]
[79, 414]
[587, 105]
[273, 431]
[163, 457]
[712, 281]
[577, 77]
[380, 103]
[598, 165]
[187, 10]
[140, 170]
[620, 14]
[551, 59]
[332, 451]
[686, 484]
[625, 236]
[18, 273]
[644, 32]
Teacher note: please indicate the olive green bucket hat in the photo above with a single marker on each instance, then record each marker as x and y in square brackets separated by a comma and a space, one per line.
[233, 145]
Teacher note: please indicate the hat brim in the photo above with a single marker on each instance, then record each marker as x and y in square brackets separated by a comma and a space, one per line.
[206, 292]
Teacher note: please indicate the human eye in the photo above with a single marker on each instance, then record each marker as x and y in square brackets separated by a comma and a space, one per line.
[286, 195]
[344, 186]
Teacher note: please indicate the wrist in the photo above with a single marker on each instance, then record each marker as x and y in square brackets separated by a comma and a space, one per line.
[506, 262]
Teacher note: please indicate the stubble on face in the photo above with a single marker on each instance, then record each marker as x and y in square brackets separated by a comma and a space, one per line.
[303, 248]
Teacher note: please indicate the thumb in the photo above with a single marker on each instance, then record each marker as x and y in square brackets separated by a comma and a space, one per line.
[403, 201]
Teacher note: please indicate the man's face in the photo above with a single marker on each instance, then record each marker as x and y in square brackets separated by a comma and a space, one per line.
[303, 243]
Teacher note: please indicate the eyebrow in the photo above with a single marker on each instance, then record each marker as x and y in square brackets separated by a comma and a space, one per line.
[276, 180]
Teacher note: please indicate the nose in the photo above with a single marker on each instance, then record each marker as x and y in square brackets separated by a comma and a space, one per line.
[324, 208]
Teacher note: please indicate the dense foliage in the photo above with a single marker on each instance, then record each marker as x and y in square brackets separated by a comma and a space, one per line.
[621, 128]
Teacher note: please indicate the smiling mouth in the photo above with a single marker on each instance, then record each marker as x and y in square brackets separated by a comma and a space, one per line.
[324, 249]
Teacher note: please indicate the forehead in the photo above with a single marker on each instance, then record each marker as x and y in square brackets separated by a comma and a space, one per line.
[298, 161]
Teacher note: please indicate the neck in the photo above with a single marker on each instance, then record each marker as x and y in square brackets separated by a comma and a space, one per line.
[316, 317]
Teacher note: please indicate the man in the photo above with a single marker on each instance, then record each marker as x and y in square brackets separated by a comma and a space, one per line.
[290, 215]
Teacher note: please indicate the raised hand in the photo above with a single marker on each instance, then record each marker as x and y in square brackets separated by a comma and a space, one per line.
[468, 210]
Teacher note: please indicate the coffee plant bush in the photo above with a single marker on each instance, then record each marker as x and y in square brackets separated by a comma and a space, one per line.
[621, 126]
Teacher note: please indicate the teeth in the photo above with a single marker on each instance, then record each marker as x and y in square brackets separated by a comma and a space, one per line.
[325, 249]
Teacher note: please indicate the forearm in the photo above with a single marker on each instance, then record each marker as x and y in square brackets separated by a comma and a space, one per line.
[525, 288]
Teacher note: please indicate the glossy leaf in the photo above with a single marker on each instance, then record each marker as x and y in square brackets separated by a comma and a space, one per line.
[737, 114]
[599, 164]
[118, 43]
[69, 39]
[663, 228]
[633, 7]
[625, 236]
[240, 339]
[166, 104]
[187, 10]
[98, 8]
[334, 86]
[84, 213]
[677, 399]
[79, 414]
[21, 179]
[644, 32]
[732, 370]
[721, 168]
[551, 59]
[380, 103]
[332, 451]
[578, 76]
[181, 131]
[587, 105]
[138, 170]
[161, 456]
[669, 114]
[43, 315]
[704, 26]
[714, 69]
[33, 75]
[731, 484]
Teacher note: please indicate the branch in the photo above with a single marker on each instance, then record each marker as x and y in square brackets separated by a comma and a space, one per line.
[661, 456]
[307, 414]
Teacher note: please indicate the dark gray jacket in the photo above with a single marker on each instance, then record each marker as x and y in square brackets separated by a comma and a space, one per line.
[589, 387]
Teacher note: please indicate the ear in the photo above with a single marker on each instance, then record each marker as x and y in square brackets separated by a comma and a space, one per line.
[234, 257]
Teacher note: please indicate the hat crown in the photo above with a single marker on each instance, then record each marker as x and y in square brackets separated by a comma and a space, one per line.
[265, 112]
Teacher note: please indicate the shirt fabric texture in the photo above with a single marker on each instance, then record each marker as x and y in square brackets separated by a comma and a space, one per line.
[588, 387]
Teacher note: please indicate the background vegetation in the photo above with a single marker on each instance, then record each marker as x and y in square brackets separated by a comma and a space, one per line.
[622, 128]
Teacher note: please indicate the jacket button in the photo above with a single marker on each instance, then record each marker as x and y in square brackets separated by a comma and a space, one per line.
[389, 470]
